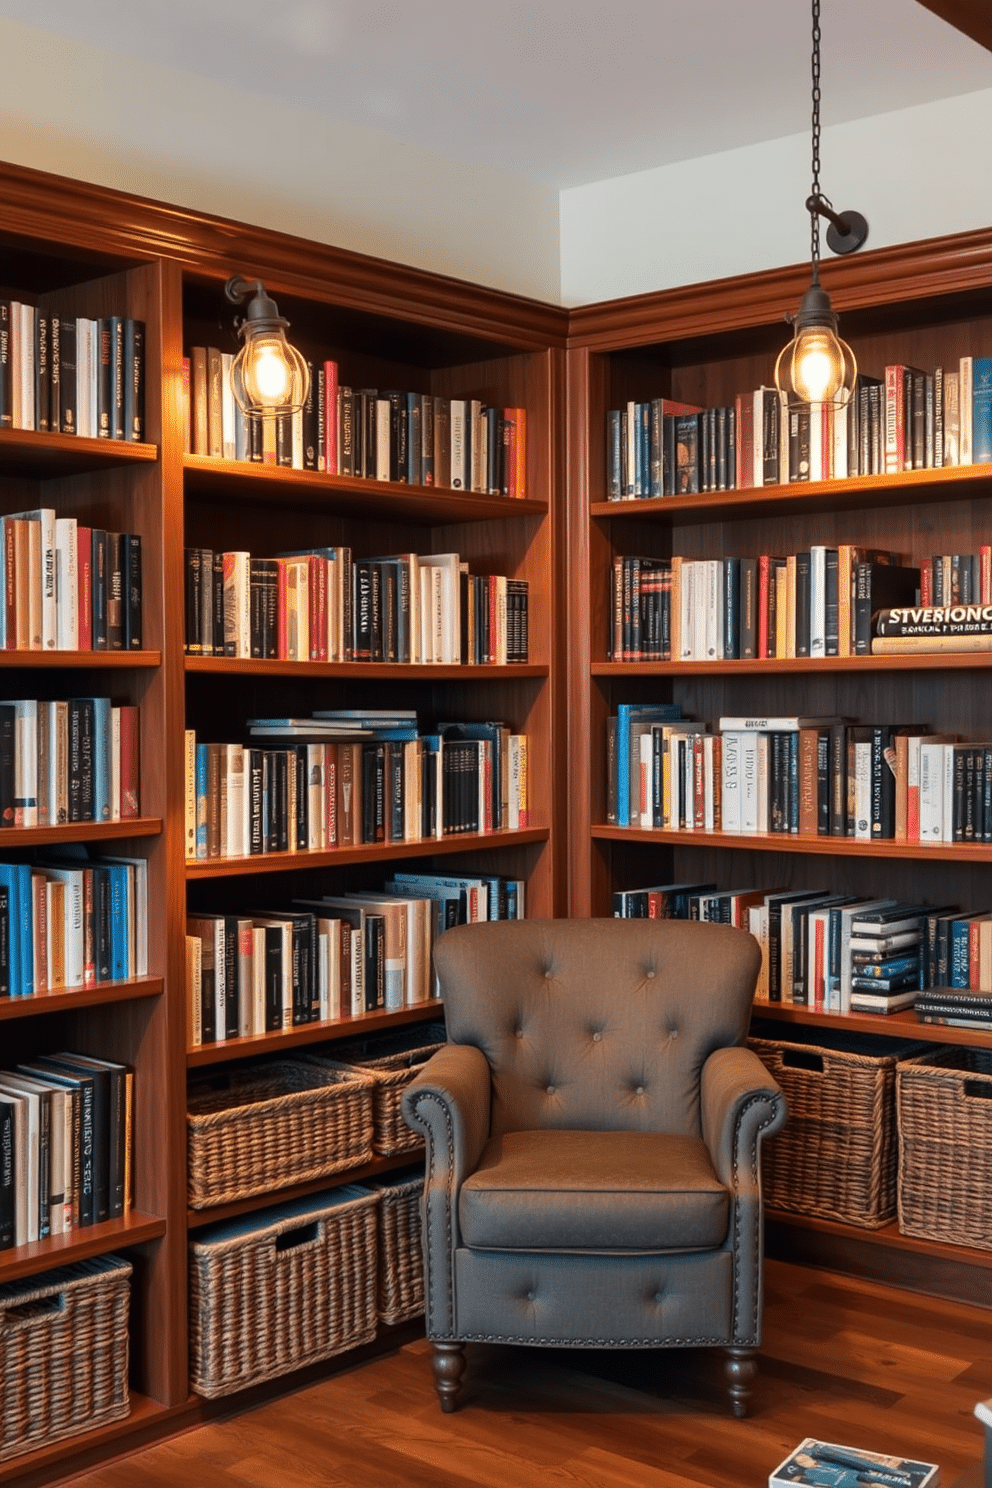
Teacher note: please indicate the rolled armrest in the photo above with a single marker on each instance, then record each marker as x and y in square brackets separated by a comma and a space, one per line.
[741, 1103]
[448, 1103]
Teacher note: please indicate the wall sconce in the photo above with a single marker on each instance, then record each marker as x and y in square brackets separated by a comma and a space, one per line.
[817, 366]
[268, 375]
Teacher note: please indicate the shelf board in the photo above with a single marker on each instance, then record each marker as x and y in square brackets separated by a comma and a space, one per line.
[887, 1236]
[902, 1025]
[313, 1033]
[237, 481]
[198, 1219]
[146, 1420]
[366, 852]
[85, 831]
[956, 483]
[67, 999]
[78, 1245]
[89, 660]
[827, 847]
[925, 661]
[25, 452]
[381, 671]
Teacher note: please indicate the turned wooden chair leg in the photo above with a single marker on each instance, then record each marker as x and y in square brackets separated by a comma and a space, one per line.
[740, 1369]
[449, 1366]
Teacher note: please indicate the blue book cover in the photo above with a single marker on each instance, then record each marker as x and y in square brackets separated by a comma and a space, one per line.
[643, 465]
[101, 758]
[960, 953]
[201, 800]
[981, 410]
[10, 881]
[628, 713]
[120, 909]
[413, 439]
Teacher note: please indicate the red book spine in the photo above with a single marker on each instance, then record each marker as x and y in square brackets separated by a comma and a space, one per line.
[84, 572]
[187, 408]
[698, 783]
[130, 792]
[819, 929]
[974, 956]
[763, 567]
[745, 441]
[318, 607]
[926, 582]
[520, 455]
[509, 452]
[490, 655]
[985, 570]
[10, 585]
[331, 418]
[894, 419]
[89, 954]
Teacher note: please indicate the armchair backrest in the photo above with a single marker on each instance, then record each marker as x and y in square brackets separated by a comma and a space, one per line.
[597, 1024]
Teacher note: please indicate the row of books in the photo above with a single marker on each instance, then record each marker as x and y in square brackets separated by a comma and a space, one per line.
[68, 760]
[910, 419]
[67, 587]
[324, 605]
[797, 775]
[416, 438]
[65, 1145]
[312, 784]
[71, 374]
[954, 1008]
[336, 957]
[816, 603]
[834, 952]
[72, 921]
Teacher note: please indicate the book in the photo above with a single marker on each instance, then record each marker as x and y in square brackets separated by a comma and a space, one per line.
[817, 1462]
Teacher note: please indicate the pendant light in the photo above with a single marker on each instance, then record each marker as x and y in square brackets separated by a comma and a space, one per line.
[817, 366]
[268, 375]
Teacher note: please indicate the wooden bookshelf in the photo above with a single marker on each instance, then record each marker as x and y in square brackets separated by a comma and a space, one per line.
[924, 305]
[314, 1033]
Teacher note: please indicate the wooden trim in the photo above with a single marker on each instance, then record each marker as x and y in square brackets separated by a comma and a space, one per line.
[79, 1245]
[198, 1219]
[922, 661]
[972, 17]
[67, 999]
[103, 221]
[904, 272]
[365, 852]
[380, 671]
[787, 842]
[900, 1025]
[313, 1033]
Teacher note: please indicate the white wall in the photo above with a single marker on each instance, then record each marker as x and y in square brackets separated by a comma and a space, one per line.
[90, 114]
[917, 173]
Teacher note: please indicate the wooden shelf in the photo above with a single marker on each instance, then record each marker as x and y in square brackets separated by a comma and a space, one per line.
[904, 1024]
[66, 999]
[198, 1219]
[379, 671]
[87, 831]
[828, 847]
[366, 852]
[78, 1245]
[924, 661]
[956, 483]
[146, 1420]
[27, 453]
[80, 660]
[313, 1033]
[237, 481]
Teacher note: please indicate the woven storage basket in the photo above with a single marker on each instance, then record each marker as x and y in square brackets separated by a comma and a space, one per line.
[64, 1350]
[401, 1260]
[390, 1062]
[836, 1156]
[273, 1125]
[270, 1293]
[945, 1146]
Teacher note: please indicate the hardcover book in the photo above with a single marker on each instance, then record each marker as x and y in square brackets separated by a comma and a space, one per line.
[825, 1463]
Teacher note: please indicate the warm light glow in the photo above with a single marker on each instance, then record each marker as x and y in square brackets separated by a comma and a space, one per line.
[818, 369]
[268, 371]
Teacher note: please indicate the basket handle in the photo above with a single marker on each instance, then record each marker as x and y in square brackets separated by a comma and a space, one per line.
[40, 1307]
[978, 1089]
[302, 1235]
[803, 1059]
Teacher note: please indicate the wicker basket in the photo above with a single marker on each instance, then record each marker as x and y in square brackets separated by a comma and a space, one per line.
[270, 1293]
[836, 1156]
[390, 1063]
[401, 1260]
[945, 1146]
[273, 1125]
[64, 1350]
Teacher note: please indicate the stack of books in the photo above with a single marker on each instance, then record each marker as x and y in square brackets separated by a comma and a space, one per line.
[956, 1009]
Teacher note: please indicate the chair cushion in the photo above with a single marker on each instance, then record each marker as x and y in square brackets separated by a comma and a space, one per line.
[591, 1191]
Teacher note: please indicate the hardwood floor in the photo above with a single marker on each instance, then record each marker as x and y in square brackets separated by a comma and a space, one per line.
[843, 1360]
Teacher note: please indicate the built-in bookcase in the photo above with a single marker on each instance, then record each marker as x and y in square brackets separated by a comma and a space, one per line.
[83, 251]
[923, 305]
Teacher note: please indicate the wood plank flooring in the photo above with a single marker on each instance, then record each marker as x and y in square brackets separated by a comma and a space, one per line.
[844, 1360]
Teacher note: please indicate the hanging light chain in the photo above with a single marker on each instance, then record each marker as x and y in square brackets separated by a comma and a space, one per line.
[814, 221]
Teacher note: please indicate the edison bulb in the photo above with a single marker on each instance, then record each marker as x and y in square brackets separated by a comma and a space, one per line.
[817, 368]
[269, 373]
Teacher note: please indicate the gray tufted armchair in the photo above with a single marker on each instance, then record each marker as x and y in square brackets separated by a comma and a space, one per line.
[593, 1130]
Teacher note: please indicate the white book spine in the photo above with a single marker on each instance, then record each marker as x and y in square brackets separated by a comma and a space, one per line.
[712, 571]
[85, 377]
[948, 793]
[228, 410]
[382, 420]
[966, 406]
[762, 773]
[932, 791]
[26, 763]
[758, 472]
[709, 807]
[817, 601]
[297, 442]
[645, 778]
[16, 333]
[29, 340]
[687, 594]
[731, 782]
[245, 975]
[749, 782]
[457, 477]
[862, 791]
[257, 979]
[237, 845]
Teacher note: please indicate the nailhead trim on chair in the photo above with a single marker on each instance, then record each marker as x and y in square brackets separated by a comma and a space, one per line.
[754, 1337]
[592, 1342]
[428, 1214]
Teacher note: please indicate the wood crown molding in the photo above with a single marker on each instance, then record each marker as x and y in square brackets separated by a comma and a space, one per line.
[95, 219]
[907, 271]
[973, 17]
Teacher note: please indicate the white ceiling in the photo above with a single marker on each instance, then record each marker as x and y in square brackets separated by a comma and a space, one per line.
[564, 91]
